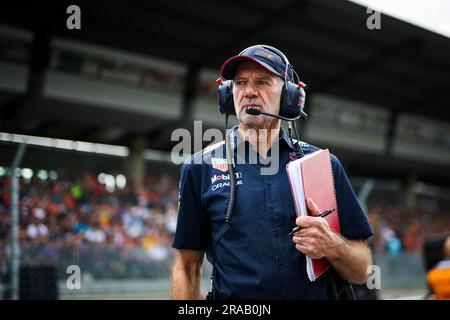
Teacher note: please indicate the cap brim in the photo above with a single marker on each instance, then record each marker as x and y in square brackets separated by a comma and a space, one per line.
[230, 66]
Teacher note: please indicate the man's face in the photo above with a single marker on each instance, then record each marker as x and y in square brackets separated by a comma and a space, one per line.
[258, 88]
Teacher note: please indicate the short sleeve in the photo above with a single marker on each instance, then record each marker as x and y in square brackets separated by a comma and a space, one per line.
[193, 224]
[352, 219]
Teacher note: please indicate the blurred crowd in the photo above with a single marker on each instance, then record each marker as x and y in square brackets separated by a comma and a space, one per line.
[75, 210]
[398, 228]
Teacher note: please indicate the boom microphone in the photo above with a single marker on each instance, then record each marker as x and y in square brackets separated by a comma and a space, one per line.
[257, 112]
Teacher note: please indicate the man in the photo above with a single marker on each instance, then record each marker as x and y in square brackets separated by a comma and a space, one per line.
[439, 277]
[256, 258]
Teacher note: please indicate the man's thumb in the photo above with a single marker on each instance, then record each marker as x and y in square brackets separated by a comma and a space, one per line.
[313, 208]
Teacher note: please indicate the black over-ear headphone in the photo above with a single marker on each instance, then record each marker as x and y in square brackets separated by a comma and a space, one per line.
[293, 94]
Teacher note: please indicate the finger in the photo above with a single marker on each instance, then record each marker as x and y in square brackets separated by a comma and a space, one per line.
[308, 221]
[304, 249]
[309, 247]
[302, 241]
[307, 242]
[309, 233]
[308, 251]
[301, 232]
[305, 221]
[313, 208]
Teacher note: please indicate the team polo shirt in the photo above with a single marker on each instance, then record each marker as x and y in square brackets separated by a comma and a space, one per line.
[256, 259]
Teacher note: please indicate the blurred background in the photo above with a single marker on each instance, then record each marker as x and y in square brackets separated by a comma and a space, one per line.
[86, 117]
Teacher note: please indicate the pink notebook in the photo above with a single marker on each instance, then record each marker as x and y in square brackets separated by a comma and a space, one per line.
[312, 177]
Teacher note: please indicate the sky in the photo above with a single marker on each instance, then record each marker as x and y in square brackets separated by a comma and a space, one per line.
[433, 15]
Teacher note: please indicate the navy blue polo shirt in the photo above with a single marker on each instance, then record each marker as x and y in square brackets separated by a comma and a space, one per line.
[257, 258]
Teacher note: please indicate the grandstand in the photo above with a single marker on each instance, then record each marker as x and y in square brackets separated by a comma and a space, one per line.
[96, 109]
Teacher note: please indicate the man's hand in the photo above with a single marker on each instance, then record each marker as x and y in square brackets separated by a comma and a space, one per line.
[350, 258]
[316, 239]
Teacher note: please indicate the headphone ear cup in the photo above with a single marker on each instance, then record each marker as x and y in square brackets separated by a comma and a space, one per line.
[292, 101]
[225, 97]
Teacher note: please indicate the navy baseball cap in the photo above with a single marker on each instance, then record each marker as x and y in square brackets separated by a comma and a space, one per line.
[268, 59]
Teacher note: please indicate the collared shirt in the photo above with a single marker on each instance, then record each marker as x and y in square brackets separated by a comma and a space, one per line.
[256, 259]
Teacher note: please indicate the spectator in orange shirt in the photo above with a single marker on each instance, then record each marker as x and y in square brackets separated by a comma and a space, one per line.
[439, 277]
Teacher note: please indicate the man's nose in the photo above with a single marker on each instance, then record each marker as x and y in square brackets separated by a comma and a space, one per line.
[250, 91]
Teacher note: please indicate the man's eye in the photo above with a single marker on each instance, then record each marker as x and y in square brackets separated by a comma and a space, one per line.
[263, 82]
[239, 82]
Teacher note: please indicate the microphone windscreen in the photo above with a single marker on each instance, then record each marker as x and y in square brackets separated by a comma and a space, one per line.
[253, 111]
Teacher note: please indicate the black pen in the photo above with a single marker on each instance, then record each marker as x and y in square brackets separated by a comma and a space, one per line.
[322, 215]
